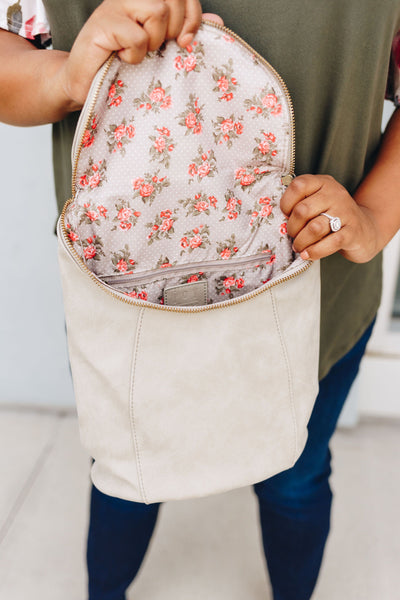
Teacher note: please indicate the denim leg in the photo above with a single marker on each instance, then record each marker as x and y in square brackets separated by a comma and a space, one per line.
[118, 537]
[294, 506]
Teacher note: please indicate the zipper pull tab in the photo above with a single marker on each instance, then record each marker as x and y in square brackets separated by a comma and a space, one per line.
[287, 179]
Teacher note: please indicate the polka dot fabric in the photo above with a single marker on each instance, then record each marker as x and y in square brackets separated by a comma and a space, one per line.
[179, 169]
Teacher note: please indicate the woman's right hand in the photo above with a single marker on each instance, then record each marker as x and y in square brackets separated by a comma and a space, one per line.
[130, 27]
[44, 86]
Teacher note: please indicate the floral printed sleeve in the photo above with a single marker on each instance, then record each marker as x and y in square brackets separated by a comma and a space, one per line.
[26, 18]
[393, 87]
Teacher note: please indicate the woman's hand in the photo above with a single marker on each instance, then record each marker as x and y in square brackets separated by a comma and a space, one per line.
[310, 195]
[57, 82]
[130, 27]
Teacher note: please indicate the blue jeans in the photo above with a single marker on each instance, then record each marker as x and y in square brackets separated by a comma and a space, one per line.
[294, 508]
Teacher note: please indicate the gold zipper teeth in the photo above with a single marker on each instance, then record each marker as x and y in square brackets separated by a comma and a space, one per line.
[134, 301]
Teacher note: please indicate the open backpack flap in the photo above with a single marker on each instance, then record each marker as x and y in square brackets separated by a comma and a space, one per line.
[193, 328]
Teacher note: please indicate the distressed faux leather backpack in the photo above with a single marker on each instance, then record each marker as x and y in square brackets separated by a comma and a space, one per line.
[193, 328]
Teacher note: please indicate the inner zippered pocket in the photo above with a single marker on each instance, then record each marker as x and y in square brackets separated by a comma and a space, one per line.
[219, 280]
[211, 265]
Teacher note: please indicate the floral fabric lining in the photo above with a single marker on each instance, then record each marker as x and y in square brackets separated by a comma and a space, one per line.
[179, 172]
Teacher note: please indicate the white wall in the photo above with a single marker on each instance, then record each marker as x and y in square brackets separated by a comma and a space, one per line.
[33, 360]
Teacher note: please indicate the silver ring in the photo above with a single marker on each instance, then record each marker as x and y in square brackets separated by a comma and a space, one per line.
[334, 222]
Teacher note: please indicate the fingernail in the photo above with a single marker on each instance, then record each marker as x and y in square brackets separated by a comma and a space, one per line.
[304, 255]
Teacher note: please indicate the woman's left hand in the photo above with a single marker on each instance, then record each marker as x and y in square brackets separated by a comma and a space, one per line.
[303, 202]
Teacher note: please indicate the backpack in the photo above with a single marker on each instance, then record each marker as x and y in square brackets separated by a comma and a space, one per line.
[193, 327]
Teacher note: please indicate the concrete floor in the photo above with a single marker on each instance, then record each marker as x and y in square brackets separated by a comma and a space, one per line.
[205, 549]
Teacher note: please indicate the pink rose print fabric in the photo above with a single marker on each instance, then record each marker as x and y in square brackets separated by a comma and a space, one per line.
[179, 167]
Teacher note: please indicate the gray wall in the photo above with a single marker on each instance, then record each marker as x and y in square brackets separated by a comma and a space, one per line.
[33, 359]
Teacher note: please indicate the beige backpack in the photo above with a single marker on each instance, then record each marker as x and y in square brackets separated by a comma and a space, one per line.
[193, 328]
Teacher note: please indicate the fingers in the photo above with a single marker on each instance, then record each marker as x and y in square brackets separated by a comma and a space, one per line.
[300, 188]
[133, 53]
[170, 19]
[314, 231]
[308, 210]
[328, 245]
[177, 12]
[192, 22]
[310, 195]
[156, 27]
[304, 201]
[93, 46]
[153, 16]
[130, 27]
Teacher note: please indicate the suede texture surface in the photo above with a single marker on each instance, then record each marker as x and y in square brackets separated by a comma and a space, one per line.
[177, 404]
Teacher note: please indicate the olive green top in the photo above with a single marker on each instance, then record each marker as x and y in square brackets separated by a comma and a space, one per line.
[334, 57]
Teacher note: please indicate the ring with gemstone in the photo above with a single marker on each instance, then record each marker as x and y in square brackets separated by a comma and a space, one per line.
[334, 222]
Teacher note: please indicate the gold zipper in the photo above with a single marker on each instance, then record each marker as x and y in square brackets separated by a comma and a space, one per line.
[288, 177]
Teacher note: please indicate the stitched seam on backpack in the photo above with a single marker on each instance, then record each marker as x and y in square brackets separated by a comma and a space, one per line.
[132, 413]
[290, 383]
